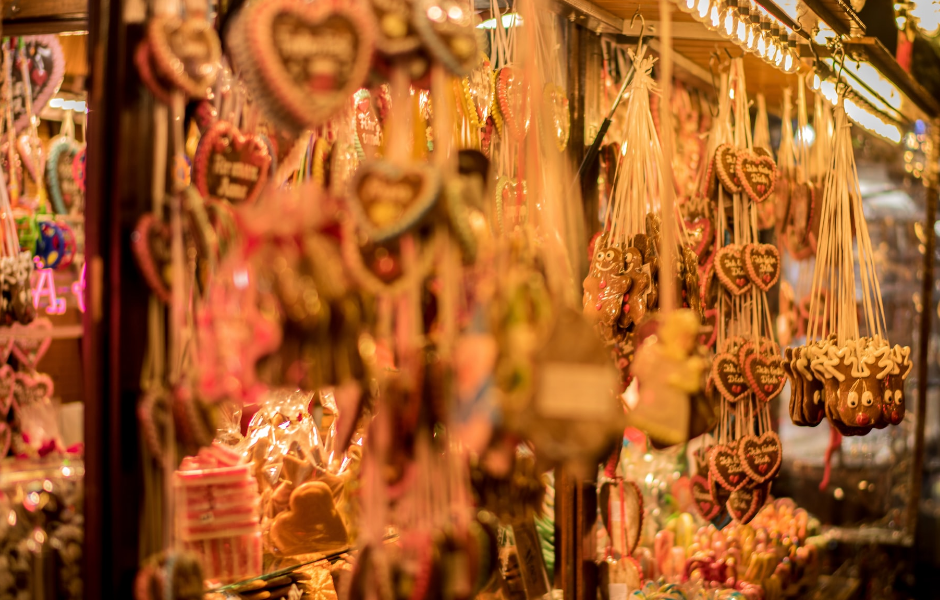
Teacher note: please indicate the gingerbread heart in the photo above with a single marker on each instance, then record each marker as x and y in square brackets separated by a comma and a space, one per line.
[396, 33]
[724, 465]
[31, 341]
[764, 375]
[446, 28]
[78, 169]
[621, 505]
[760, 456]
[45, 70]
[230, 166]
[729, 377]
[511, 203]
[6, 438]
[730, 269]
[158, 86]
[186, 52]
[12, 168]
[512, 97]
[64, 190]
[390, 200]
[744, 504]
[312, 523]
[756, 174]
[725, 164]
[555, 106]
[762, 263]
[29, 390]
[708, 334]
[6, 389]
[151, 245]
[303, 60]
[704, 503]
[701, 233]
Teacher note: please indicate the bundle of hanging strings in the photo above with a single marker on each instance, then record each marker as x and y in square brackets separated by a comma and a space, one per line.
[856, 381]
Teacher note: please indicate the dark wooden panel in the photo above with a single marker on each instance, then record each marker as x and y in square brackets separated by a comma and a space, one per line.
[14, 10]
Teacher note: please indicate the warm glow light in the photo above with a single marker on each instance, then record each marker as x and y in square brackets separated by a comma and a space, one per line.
[788, 62]
[815, 81]
[729, 23]
[885, 97]
[714, 18]
[740, 32]
[702, 9]
[862, 116]
[509, 20]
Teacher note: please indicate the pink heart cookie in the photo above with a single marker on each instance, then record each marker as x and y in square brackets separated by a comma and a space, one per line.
[31, 341]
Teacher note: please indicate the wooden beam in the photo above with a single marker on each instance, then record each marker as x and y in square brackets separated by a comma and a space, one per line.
[43, 26]
[14, 10]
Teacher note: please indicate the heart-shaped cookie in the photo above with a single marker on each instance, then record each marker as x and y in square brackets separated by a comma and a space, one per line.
[6, 438]
[229, 165]
[512, 99]
[186, 52]
[395, 32]
[764, 375]
[32, 155]
[447, 30]
[744, 504]
[303, 60]
[151, 245]
[762, 262]
[724, 465]
[729, 377]
[13, 170]
[31, 389]
[756, 174]
[622, 511]
[66, 195]
[701, 234]
[31, 341]
[760, 456]
[730, 269]
[45, 69]
[6, 389]
[78, 169]
[704, 503]
[158, 86]
[725, 164]
[389, 200]
[708, 334]
[511, 203]
[555, 106]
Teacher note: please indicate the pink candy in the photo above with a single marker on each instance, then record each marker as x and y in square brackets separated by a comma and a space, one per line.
[218, 516]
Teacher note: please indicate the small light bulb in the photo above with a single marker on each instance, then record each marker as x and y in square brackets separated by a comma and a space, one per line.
[743, 25]
[816, 81]
[791, 62]
[727, 29]
[687, 5]
[714, 19]
[763, 43]
[778, 59]
[701, 10]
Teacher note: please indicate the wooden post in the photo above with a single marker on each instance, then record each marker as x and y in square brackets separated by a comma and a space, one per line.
[118, 172]
[932, 182]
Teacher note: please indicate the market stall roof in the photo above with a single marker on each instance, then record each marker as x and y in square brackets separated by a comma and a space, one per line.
[695, 46]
